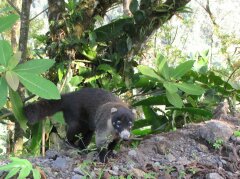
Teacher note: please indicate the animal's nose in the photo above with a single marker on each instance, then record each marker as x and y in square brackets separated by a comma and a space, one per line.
[125, 134]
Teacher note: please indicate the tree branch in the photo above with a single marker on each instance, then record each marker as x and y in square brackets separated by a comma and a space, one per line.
[14, 7]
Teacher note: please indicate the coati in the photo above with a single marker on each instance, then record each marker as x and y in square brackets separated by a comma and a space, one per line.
[87, 111]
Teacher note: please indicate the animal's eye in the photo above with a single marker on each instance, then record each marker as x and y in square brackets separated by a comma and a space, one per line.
[130, 123]
[119, 122]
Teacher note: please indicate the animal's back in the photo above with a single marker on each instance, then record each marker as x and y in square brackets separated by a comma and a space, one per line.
[86, 102]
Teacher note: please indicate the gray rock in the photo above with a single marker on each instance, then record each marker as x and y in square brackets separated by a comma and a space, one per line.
[60, 163]
[77, 176]
[115, 168]
[132, 153]
[214, 176]
[78, 171]
[170, 157]
[214, 130]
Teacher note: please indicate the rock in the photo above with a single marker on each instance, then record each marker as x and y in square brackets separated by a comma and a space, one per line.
[78, 170]
[170, 157]
[77, 176]
[138, 173]
[115, 168]
[132, 153]
[214, 130]
[214, 176]
[60, 163]
[51, 154]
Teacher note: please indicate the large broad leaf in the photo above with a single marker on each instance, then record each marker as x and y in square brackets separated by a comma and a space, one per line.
[12, 172]
[5, 52]
[14, 60]
[3, 92]
[154, 100]
[39, 86]
[174, 99]
[36, 139]
[182, 69]
[7, 22]
[17, 107]
[145, 70]
[190, 88]
[37, 66]
[163, 68]
[36, 174]
[170, 87]
[12, 80]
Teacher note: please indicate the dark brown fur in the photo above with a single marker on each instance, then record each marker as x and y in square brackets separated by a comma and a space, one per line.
[85, 111]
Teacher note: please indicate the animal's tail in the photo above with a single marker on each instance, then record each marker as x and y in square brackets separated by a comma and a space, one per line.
[39, 110]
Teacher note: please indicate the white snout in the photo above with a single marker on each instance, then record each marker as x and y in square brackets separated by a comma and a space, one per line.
[125, 134]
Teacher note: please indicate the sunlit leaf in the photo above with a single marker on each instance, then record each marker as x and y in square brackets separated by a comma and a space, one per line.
[8, 21]
[12, 80]
[12, 172]
[174, 99]
[182, 69]
[14, 60]
[36, 66]
[36, 174]
[2, 69]
[39, 86]
[190, 88]
[3, 92]
[17, 106]
[171, 87]
[5, 52]
[24, 172]
[145, 70]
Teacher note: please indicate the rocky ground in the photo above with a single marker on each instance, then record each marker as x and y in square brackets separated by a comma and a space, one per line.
[206, 150]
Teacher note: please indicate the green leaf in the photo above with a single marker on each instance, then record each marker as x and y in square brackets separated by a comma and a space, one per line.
[36, 139]
[8, 21]
[170, 87]
[36, 174]
[145, 70]
[174, 99]
[163, 68]
[39, 86]
[17, 107]
[182, 69]
[5, 52]
[190, 88]
[9, 166]
[59, 117]
[14, 60]
[36, 66]
[2, 69]
[154, 100]
[3, 92]
[24, 172]
[12, 80]
[12, 172]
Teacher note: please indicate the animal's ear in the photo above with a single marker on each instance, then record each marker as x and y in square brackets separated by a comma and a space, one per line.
[113, 110]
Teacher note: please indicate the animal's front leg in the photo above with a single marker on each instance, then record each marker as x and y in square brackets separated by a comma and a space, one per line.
[126, 7]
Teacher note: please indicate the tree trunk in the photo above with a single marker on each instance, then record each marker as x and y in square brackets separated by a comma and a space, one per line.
[25, 14]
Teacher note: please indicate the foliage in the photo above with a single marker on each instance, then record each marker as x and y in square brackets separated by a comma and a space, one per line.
[13, 72]
[217, 144]
[22, 167]
[236, 133]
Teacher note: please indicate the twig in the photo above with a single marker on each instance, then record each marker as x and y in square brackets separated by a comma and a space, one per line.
[14, 7]
[6, 115]
[65, 78]
[38, 14]
[43, 138]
